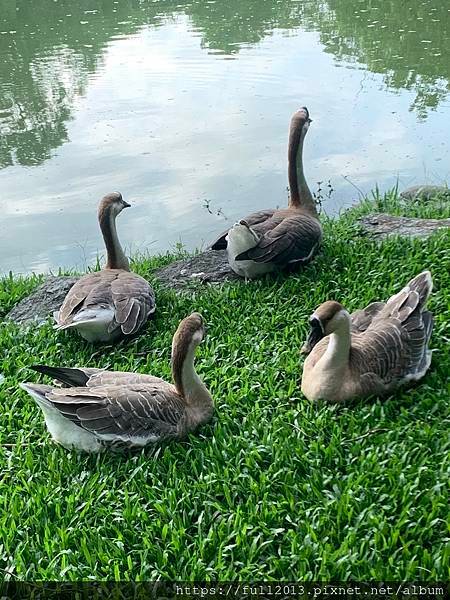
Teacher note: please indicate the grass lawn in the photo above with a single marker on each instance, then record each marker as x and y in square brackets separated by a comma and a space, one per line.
[274, 487]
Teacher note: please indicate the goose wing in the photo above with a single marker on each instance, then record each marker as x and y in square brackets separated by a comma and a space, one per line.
[380, 356]
[255, 218]
[394, 347]
[130, 295]
[88, 377]
[89, 291]
[389, 353]
[123, 378]
[294, 239]
[134, 301]
[362, 318]
[133, 414]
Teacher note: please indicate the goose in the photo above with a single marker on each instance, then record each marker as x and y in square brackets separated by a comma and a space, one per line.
[371, 352]
[278, 238]
[107, 304]
[97, 409]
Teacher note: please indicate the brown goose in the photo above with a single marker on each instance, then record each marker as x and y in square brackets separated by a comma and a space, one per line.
[372, 351]
[274, 239]
[112, 302]
[97, 409]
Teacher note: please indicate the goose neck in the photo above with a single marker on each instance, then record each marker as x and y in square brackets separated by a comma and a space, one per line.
[188, 383]
[300, 194]
[116, 258]
[337, 354]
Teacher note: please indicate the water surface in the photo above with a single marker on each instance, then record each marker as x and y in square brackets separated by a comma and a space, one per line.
[184, 108]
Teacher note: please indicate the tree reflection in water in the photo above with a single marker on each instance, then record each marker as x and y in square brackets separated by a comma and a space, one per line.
[49, 49]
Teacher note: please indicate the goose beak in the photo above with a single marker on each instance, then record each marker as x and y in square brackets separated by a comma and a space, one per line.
[315, 335]
[126, 204]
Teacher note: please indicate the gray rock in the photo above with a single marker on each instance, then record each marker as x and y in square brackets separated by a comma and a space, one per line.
[380, 226]
[425, 192]
[41, 304]
[207, 267]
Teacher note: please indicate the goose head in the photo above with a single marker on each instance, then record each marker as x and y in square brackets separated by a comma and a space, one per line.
[112, 204]
[300, 122]
[190, 333]
[325, 320]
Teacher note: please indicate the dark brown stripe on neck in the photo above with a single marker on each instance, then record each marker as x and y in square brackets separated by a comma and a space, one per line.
[105, 220]
[115, 258]
[181, 346]
[179, 355]
[294, 141]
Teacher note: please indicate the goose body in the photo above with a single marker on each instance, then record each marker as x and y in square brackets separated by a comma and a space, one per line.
[107, 304]
[96, 409]
[278, 238]
[371, 352]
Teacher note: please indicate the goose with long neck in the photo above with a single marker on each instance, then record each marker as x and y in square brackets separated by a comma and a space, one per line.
[104, 305]
[275, 239]
[372, 351]
[98, 409]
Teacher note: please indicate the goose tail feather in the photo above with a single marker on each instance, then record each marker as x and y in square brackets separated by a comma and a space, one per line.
[418, 322]
[422, 284]
[37, 391]
[409, 303]
[71, 377]
[422, 367]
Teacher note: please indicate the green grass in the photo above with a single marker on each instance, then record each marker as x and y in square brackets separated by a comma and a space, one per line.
[274, 487]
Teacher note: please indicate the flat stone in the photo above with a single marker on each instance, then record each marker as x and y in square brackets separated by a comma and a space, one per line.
[380, 226]
[207, 267]
[425, 192]
[43, 302]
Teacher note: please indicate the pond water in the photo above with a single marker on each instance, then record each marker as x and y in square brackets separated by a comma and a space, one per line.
[184, 107]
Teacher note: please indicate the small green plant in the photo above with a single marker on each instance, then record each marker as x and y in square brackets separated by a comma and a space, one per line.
[322, 194]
